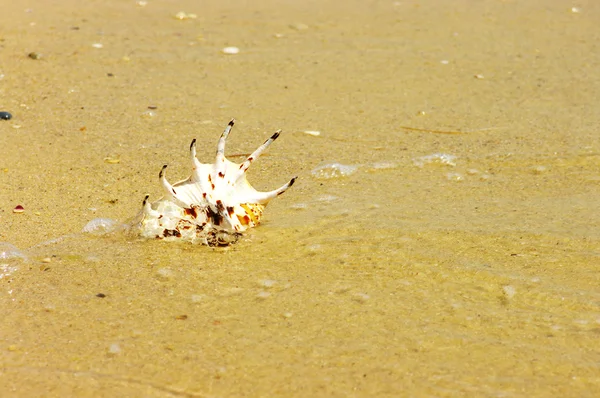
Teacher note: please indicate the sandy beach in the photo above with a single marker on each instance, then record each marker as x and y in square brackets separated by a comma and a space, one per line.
[456, 254]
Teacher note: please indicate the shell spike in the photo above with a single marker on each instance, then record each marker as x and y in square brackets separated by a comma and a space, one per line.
[244, 166]
[221, 145]
[169, 188]
[147, 208]
[193, 149]
[196, 165]
[264, 197]
[163, 180]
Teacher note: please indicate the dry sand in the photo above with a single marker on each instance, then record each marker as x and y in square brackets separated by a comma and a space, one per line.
[478, 278]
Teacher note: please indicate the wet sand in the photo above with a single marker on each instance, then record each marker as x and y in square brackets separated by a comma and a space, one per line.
[409, 277]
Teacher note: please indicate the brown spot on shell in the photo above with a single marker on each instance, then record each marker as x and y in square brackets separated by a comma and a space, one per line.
[184, 224]
[253, 211]
[245, 220]
[192, 212]
[171, 232]
[292, 181]
[250, 159]
[216, 217]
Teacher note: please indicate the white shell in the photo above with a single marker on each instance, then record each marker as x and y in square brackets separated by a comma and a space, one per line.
[213, 206]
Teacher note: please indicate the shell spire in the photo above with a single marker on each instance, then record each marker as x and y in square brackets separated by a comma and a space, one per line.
[214, 205]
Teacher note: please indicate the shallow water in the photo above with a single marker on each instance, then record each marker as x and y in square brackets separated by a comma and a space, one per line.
[459, 258]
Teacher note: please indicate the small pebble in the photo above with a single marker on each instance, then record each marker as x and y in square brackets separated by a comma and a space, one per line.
[182, 15]
[5, 115]
[97, 45]
[34, 55]
[230, 50]
[18, 209]
[538, 169]
[509, 291]
[148, 114]
[479, 77]
[165, 274]
[181, 317]
[197, 298]
[114, 349]
[312, 132]
[267, 283]
[111, 160]
[455, 177]
[361, 297]
[314, 248]
[263, 295]
[49, 308]
[101, 295]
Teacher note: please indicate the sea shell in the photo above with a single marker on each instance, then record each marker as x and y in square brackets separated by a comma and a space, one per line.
[213, 206]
